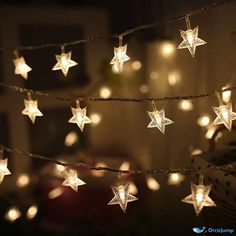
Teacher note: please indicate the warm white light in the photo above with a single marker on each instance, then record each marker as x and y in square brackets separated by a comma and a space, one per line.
[115, 69]
[32, 211]
[196, 151]
[144, 88]
[71, 139]
[95, 119]
[12, 214]
[185, 105]
[189, 34]
[154, 75]
[22, 181]
[226, 95]
[125, 166]
[3, 168]
[136, 65]
[99, 173]
[199, 196]
[210, 131]
[21, 68]
[173, 78]
[55, 193]
[132, 188]
[175, 178]
[167, 49]
[121, 193]
[203, 121]
[152, 183]
[105, 92]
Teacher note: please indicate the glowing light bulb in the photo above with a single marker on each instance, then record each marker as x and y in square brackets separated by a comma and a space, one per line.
[136, 65]
[226, 95]
[175, 178]
[55, 193]
[99, 173]
[3, 167]
[71, 139]
[167, 49]
[144, 88]
[185, 105]
[22, 181]
[12, 214]
[173, 78]
[21, 68]
[121, 193]
[189, 35]
[95, 119]
[203, 121]
[199, 196]
[132, 188]
[196, 151]
[32, 212]
[152, 183]
[105, 92]
[210, 131]
[125, 166]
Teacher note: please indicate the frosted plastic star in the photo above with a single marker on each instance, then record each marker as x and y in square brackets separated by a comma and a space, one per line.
[199, 197]
[31, 109]
[3, 169]
[190, 40]
[79, 116]
[64, 62]
[119, 57]
[21, 68]
[159, 120]
[122, 196]
[224, 115]
[72, 180]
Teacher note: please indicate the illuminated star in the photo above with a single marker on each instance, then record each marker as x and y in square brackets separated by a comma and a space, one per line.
[199, 197]
[190, 40]
[122, 196]
[31, 109]
[64, 62]
[119, 57]
[72, 180]
[224, 115]
[21, 68]
[3, 169]
[79, 116]
[158, 120]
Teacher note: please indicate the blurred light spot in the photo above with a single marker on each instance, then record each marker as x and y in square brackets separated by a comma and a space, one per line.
[203, 121]
[55, 193]
[175, 178]
[154, 75]
[226, 96]
[185, 105]
[115, 69]
[95, 119]
[32, 211]
[125, 166]
[132, 188]
[168, 49]
[152, 183]
[12, 214]
[173, 78]
[71, 139]
[105, 92]
[22, 181]
[196, 151]
[136, 65]
[144, 88]
[99, 173]
[210, 131]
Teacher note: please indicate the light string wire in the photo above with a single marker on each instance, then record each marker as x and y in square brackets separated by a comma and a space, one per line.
[127, 32]
[188, 170]
[114, 99]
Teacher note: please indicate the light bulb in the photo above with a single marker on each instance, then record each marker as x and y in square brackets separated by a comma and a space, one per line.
[71, 139]
[12, 214]
[203, 121]
[22, 181]
[185, 105]
[95, 119]
[105, 92]
[152, 183]
[136, 65]
[55, 193]
[32, 212]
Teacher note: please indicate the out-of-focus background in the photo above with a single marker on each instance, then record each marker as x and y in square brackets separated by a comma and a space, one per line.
[118, 133]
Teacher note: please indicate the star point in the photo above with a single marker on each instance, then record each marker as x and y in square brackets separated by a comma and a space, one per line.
[79, 116]
[64, 62]
[122, 196]
[199, 197]
[21, 68]
[31, 109]
[225, 115]
[120, 57]
[190, 40]
[3, 169]
[71, 179]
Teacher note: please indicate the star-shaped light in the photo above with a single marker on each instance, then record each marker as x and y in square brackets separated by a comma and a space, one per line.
[21, 68]
[31, 109]
[71, 179]
[119, 57]
[3, 169]
[79, 116]
[64, 62]
[225, 115]
[158, 119]
[122, 196]
[199, 197]
[190, 40]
